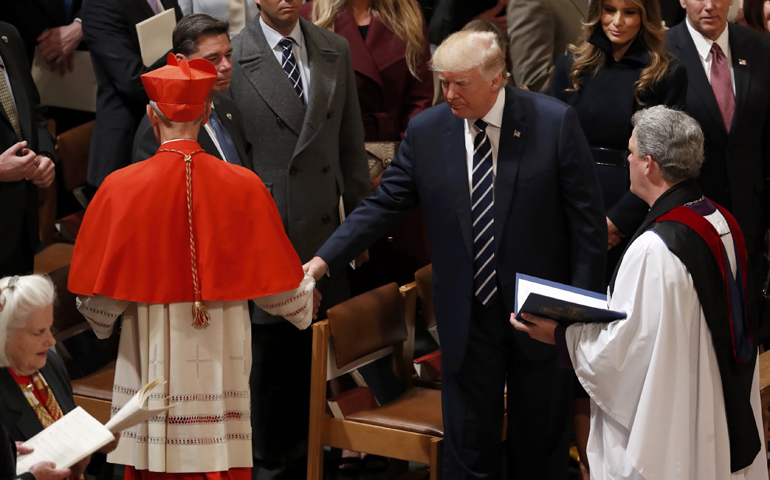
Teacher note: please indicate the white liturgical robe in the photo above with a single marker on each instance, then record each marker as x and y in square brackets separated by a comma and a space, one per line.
[657, 407]
[206, 369]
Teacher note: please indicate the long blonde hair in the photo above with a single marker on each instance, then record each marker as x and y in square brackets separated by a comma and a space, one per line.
[403, 17]
[589, 58]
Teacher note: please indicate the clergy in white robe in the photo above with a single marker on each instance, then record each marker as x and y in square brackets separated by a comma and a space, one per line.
[664, 403]
[178, 245]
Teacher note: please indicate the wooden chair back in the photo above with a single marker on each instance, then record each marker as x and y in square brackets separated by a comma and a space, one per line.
[73, 148]
[358, 331]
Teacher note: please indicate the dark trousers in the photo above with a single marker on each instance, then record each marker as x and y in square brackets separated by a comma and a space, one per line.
[22, 260]
[280, 396]
[280, 391]
[539, 402]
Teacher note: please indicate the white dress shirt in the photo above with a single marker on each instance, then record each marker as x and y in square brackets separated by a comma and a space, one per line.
[494, 119]
[299, 50]
[703, 46]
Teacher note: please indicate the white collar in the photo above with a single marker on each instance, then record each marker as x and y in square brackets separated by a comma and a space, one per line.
[494, 116]
[273, 37]
[703, 44]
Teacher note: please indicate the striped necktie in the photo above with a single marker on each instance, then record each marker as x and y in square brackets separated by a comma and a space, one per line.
[6, 101]
[483, 214]
[289, 64]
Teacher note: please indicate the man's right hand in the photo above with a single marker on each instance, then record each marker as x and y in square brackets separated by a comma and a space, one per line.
[48, 471]
[14, 168]
[316, 268]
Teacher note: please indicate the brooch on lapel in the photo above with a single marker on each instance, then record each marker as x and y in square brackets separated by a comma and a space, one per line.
[741, 61]
[516, 133]
[229, 116]
[5, 39]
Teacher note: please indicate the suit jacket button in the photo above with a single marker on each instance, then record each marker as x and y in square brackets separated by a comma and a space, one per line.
[325, 169]
[279, 121]
[293, 170]
[326, 219]
[468, 297]
[329, 114]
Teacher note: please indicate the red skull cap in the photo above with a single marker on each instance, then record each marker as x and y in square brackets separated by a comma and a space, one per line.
[180, 89]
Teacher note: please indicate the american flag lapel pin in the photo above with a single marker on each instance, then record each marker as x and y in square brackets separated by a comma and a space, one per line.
[741, 61]
[5, 39]
[516, 133]
[229, 116]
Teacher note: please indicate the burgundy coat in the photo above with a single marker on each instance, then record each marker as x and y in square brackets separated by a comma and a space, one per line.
[388, 94]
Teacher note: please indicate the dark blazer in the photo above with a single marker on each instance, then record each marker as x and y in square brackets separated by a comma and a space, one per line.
[8, 458]
[549, 219]
[307, 156]
[18, 200]
[18, 416]
[33, 17]
[388, 94]
[16, 413]
[109, 29]
[145, 144]
[735, 170]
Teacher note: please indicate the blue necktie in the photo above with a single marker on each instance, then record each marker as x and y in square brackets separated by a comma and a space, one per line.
[225, 140]
[289, 64]
[483, 214]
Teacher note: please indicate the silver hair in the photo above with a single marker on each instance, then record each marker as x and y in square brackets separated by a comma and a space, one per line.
[19, 297]
[673, 139]
[166, 120]
[465, 50]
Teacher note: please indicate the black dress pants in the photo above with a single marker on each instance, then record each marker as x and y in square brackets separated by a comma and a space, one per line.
[539, 405]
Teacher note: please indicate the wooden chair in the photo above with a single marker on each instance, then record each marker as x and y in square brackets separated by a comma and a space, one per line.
[90, 362]
[72, 149]
[423, 278]
[358, 331]
[764, 391]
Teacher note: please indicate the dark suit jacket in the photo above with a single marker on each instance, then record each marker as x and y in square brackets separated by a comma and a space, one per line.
[145, 144]
[32, 17]
[18, 416]
[18, 200]
[307, 156]
[8, 458]
[735, 171]
[549, 218]
[388, 94]
[109, 29]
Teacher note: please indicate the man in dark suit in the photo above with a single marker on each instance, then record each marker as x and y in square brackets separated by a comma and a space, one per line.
[26, 150]
[304, 123]
[728, 95]
[223, 136]
[507, 185]
[52, 25]
[109, 29]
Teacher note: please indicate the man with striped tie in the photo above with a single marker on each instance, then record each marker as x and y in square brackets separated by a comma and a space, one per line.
[295, 85]
[507, 185]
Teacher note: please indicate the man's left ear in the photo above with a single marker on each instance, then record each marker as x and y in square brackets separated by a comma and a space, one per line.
[206, 114]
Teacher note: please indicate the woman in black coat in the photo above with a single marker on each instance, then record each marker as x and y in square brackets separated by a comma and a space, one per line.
[619, 66]
[34, 387]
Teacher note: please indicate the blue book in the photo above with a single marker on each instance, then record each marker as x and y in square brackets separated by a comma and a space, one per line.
[560, 302]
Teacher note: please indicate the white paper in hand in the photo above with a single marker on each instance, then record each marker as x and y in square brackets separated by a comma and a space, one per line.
[66, 442]
[155, 36]
[134, 412]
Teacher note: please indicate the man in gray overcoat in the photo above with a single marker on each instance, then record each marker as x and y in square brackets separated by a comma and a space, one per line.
[295, 85]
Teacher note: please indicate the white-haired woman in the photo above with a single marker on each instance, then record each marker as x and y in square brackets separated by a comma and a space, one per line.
[35, 390]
